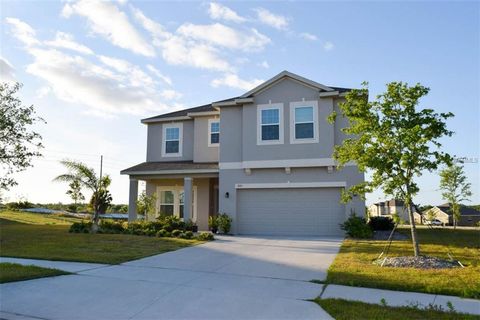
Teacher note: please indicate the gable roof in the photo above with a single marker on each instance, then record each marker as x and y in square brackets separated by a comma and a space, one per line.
[464, 210]
[246, 97]
[282, 75]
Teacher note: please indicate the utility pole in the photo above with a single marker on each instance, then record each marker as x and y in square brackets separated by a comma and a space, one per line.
[101, 167]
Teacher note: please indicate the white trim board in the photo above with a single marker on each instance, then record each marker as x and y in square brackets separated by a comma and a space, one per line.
[160, 172]
[288, 185]
[292, 163]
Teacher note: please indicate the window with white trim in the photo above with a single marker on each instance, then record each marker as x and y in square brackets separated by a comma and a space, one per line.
[172, 140]
[270, 124]
[213, 132]
[304, 122]
[170, 201]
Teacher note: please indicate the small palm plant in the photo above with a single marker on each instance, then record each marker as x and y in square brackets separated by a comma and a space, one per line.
[80, 173]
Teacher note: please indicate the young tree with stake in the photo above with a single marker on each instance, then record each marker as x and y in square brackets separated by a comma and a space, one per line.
[393, 140]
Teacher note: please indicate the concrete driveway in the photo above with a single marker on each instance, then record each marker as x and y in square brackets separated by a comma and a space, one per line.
[230, 278]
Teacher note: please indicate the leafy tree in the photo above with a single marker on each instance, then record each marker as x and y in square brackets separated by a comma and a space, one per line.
[394, 140]
[455, 188]
[431, 215]
[18, 143]
[75, 192]
[87, 178]
[146, 204]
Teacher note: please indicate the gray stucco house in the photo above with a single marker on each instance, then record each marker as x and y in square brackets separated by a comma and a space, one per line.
[264, 158]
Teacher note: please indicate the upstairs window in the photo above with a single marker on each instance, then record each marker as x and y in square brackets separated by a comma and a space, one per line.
[270, 124]
[213, 132]
[172, 140]
[304, 122]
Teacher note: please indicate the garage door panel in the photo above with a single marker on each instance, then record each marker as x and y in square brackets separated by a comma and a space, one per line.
[290, 211]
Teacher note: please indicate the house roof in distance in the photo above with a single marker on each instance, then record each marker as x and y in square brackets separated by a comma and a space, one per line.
[464, 210]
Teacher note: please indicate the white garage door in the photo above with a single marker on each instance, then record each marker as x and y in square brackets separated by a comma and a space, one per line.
[299, 212]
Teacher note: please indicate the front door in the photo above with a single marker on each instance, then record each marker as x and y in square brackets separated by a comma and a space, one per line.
[170, 201]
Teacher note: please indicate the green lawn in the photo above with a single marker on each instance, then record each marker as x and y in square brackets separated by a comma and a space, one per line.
[10, 272]
[37, 218]
[353, 310]
[353, 265]
[54, 242]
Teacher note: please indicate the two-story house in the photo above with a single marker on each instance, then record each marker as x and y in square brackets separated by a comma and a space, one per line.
[264, 158]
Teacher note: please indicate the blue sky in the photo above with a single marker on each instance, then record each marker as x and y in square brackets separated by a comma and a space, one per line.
[94, 69]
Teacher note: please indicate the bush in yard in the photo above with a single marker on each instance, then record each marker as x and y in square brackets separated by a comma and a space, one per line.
[205, 236]
[381, 223]
[176, 233]
[163, 233]
[224, 223]
[357, 227]
[80, 227]
[136, 228]
[111, 226]
[213, 223]
[187, 235]
[171, 223]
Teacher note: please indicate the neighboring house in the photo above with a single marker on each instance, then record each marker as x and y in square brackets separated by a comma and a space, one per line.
[468, 216]
[392, 207]
[264, 158]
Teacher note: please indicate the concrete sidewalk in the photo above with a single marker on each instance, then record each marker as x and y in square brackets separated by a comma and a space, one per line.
[72, 267]
[401, 298]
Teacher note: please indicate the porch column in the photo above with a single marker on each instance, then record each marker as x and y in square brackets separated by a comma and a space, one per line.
[132, 200]
[187, 198]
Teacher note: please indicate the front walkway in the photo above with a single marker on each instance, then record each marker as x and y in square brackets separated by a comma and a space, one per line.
[230, 278]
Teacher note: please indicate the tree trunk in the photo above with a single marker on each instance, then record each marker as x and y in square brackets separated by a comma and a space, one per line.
[413, 229]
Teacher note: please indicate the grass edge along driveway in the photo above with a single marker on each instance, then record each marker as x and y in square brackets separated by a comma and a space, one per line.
[10, 272]
[353, 265]
[351, 310]
[54, 242]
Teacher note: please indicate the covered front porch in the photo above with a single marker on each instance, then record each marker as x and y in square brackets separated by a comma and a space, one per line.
[184, 189]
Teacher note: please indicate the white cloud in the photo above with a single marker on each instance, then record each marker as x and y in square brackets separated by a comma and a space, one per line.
[22, 31]
[43, 92]
[65, 40]
[221, 12]
[156, 29]
[7, 71]
[308, 36]
[178, 51]
[220, 35]
[328, 46]
[264, 64]
[273, 20]
[131, 73]
[170, 94]
[103, 92]
[159, 75]
[232, 80]
[107, 20]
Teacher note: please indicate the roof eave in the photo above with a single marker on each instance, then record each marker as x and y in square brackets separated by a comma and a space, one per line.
[233, 102]
[166, 119]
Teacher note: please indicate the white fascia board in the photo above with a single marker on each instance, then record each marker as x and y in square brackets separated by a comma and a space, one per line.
[181, 118]
[328, 94]
[203, 114]
[290, 163]
[289, 185]
[234, 102]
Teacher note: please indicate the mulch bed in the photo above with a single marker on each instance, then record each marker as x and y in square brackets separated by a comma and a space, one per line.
[421, 262]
